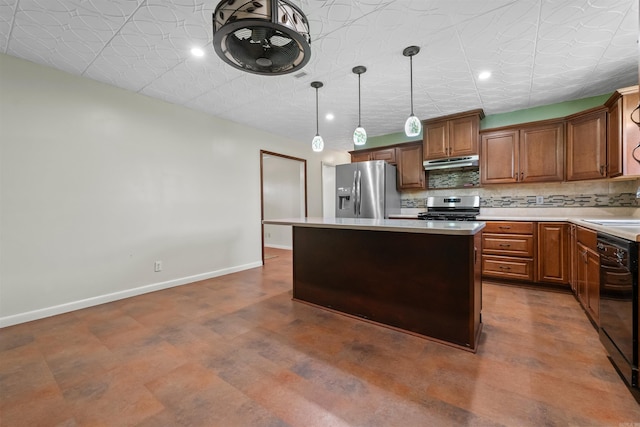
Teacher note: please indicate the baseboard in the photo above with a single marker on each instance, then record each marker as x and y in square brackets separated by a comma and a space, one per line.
[102, 299]
[289, 248]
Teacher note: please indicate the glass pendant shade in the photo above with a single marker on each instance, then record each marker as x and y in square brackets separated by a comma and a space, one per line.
[317, 144]
[360, 136]
[412, 127]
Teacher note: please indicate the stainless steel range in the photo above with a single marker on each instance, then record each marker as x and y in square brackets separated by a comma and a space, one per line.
[451, 208]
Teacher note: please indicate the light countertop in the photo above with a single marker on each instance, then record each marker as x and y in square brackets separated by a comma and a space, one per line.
[629, 233]
[396, 225]
[410, 224]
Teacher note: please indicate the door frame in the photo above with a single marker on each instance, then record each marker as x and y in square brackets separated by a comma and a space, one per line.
[284, 156]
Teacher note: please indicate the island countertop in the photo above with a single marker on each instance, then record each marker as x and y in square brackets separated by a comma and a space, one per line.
[458, 228]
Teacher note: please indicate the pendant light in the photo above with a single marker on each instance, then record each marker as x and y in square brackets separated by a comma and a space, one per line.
[318, 143]
[412, 127]
[359, 135]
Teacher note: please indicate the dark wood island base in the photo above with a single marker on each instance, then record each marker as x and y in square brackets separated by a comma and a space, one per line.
[421, 283]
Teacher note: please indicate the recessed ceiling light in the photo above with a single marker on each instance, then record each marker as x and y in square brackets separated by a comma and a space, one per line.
[329, 116]
[484, 75]
[196, 51]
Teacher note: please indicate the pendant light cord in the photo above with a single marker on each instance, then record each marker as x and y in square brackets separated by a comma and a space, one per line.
[317, 126]
[411, 74]
[359, 102]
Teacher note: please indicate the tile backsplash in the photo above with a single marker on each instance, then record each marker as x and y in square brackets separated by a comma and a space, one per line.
[561, 201]
[448, 178]
[583, 194]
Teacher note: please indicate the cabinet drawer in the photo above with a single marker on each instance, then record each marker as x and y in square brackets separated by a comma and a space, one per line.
[509, 227]
[587, 237]
[509, 244]
[507, 267]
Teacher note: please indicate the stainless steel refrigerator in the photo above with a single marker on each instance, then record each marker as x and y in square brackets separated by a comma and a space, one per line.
[366, 190]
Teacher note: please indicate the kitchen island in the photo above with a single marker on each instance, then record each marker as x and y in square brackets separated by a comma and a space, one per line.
[421, 277]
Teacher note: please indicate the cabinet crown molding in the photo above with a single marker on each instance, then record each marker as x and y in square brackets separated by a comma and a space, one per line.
[478, 112]
[525, 125]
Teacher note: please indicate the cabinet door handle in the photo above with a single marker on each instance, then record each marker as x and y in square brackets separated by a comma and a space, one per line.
[504, 267]
[504, 245]
[504, 227]
[602, 169]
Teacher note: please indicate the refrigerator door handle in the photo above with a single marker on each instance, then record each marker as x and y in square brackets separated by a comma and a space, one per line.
[359, 193]
[354, 193]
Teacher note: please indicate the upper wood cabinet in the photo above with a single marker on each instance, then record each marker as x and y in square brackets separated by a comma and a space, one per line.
[408, 160]
[587, 145]
[360, 156]
[623, 136]
[614, 136]
[451, 136]
[411, 174]
[387, 154]
[500, 155]
[534, 153]
[542, 153]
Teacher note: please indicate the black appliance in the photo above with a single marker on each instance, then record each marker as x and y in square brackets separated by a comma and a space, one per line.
[619, 304]
[451, 208]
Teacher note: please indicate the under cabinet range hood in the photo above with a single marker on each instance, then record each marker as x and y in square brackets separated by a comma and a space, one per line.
[451, 162]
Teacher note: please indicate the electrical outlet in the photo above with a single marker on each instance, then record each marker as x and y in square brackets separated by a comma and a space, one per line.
[157, 266]
[268, 235]
[539, 200]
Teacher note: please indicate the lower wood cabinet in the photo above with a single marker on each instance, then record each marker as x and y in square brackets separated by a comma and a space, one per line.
[553, 253]
[508, 250]
[573, 258]
[587, 272]
[536, 252]
[593, 285]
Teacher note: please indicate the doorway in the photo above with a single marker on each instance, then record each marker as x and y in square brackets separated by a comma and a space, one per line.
[283, 194]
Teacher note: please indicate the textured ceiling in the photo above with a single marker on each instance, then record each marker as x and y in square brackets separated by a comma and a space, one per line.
[539, 51]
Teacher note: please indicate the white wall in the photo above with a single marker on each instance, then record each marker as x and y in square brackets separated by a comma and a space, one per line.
[96, 183]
